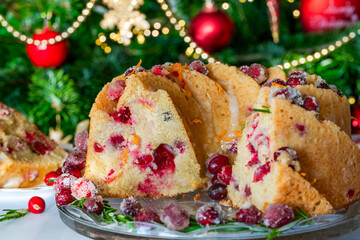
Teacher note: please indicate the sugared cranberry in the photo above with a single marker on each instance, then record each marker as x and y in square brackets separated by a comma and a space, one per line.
[321, 83]
[175, 217]
[81, 141]
[296, 80]
[198, 66]
[83, 188]
[258, 72]
[217, 191]
[64, 197]
[168, 64]
[94, 204]
[248, 213]
[298, 73]
[287, 93]
[261, 171]
[130, 70]
[50, 177]
[216, 161]
[76, 158]
[311, 104]
[147, 215]
[144, 160]
[164, 159]
[72, 170]
[336, 90]
[274, 82]
[247, 191]
[123, 115]
[244, 68]
[65, 181]
[115, 90]
[98, 148]
[130, 206]
[36, 205]
[277, 215]
[209, 214]
[160, 71]
[215, 179]
[116, 140]
[225, 174]
[350, 194]
[288, 151]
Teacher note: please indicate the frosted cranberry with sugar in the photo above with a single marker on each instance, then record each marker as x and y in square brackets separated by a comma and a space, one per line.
[64, 197]
[244, 68]
[72, 170]
[210, 214]
[336, 90]
[130, 206]
[198, 66]
[277, 215]
[130, 70]
[296, 80]
[50, 177]
[321, 83]
[160, 70]
[258, 72]
[147, 215]
[175, 217]
[311, 104]
[115, 90]
[216, 161]
[83, 188]
[291, 94]
[81, 141]
[274, 82]
[94, 204]
[123, 115]
[249, 214]
[217, 191]
[75, 158]
[298, 73]
[225, 174]
[64, 181]
[164, 159]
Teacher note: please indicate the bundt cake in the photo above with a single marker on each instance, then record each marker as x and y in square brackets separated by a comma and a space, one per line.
[26, 154]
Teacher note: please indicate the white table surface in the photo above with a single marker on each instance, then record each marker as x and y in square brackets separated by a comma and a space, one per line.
[48, 225]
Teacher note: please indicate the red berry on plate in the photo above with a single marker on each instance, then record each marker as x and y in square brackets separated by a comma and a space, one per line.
[94, 204]
[217, 191]
[64, 181]
[225, 174]
[311, 104]
[72, 170]
[210, 214]
[277, 215]
[198, 66]
[248, 213]
[175, 217]
[216, 161]
[75, 158]
[36, 205]
[59, 170]
[130, 206]
[83, 188]
[147, 215]
[81, 141]
[244, 69]
[64, 197]
[215, 179]
[50, 177]
[258, 72]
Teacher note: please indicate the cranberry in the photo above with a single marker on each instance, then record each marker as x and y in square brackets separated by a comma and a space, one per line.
[244, 68]
[285, 150]
[168, 64]
[94, 204]
[29, 136]
[36, 205]
[311, 104]
[123, 115]
[147, 215]
[116, 140]
[83, 188]
[248, 213]
[258, 72]
[277, 215]
[298, 73]
[175, 217]
[233, 148]
[130, 70]
[216, 161]
[130, 206]
[336, 90]
[180, 146]
[296, 80]
[81, 141]
[275, 81]
[301, 129]
[287, 93]
[247, 191]
[209, 214]
[76, 158]
[64, 197]
[254, 156]
[225, 174]
[98, 148]
[115, 90]
[198, 66]
[321, 83]
[217, 191]
[5, 111]
[144, 160]
[161, 71]
[65, 181]
[261, 171]
[50, 178]
[59, 170]
[41, 147]
[72, 170]
[215, 179]
[350, 194]
[164, 159]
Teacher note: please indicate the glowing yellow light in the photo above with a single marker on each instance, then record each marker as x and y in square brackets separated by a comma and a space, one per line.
[98, 42]
[345, 39]
[225, 6]
[157, 25]
[294, 63]
[102, 38]
[310, 58]
[164, 6]
[242, 1]
[103, 45]
[352, 35]
[181, 23]
[351, 100]
[317, 55]
[324, 51]
[338, 43]
[331, 48]
[290, 1]
[107, 49]
[211, 60]
[155, 33]
[196, 56]
[165, 30]
[198, 50]
[296, 13]
[112, 35]
[173, 20]
[182, 33]
[287, 65]
[187, 39]
[204, 56]
[302, 60]
[250, 0]
[140, 39]
[193, 45]
[147, 32]
[100, 34]
[168, 13]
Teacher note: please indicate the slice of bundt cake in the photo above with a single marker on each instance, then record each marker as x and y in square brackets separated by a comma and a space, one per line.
[26, 154]
[287, 155]
[139, 145]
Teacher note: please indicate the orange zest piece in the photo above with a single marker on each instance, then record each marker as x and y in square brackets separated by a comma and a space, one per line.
[196, 184]
[220, 89]
[303, 174]
[137, 65]
[218, 138]
[196, 121]
[197, 197]
[136, 139]
[227, 139]
[277, 85]
[265, 204]
[177, 67]
[313, 181]
[125, 159]
[238, 133]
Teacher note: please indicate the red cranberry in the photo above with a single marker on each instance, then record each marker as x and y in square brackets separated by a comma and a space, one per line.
[233, 148]
[81, 141]
[144, 160]
[247, 191]
[123, 115]
[225, 174]
[209, 214]
[258, 72]
[50, 178]
[41, 147]
[275, 81]
[115, 90]
[5, 111]
[311, 104]
[64, 197]
[180, 146]
[65, 181]
[321, 83]
[254, 156]
[249, 214]
[130, 70]
[98, 148]
[130, 206]
[301, 129]
[164, 159]
[336, 90]
[161, 71]
[285, 150]
[350, 194]
[296, 80]
[72, 170]
[175, 217]
[76, 158]
[83, 188]
[29, 136]
[277, 215]
[215, 179]
[298, 73]
[198, 66]
[216, 161]
[287, 93]
[147, 215]
[116, 140]
[217, 191]
[94, 204]
[59, 170]
[36, 205]
[244, 68]
[261, 171]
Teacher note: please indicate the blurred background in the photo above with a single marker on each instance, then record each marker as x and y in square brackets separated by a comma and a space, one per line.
[55, 82]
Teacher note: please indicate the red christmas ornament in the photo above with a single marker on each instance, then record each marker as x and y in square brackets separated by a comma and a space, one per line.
[211, 29]
[47, 55]
[355, 121]
[320, 15]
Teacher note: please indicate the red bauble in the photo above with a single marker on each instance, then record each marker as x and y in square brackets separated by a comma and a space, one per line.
[47, 55]
[320, 15]
[355, 121]
[211, 29]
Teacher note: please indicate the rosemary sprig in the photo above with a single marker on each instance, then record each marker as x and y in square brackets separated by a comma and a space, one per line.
[265, 109]
[78, 203]
[13, 214]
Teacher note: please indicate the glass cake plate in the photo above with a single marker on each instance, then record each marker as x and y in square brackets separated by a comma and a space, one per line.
[318, 227]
